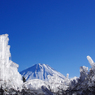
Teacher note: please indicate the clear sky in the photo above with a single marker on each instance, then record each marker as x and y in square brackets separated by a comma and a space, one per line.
[60, 33]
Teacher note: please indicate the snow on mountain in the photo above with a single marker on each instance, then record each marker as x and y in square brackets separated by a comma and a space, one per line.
[56, 84]
[40, 71]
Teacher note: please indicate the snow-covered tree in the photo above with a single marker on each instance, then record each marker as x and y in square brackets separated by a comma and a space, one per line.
[9, 75]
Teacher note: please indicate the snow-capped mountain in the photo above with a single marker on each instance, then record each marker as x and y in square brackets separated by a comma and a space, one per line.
[11, 81]
[40, 71]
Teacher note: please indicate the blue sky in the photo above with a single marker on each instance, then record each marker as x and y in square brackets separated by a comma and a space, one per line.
[60, 33]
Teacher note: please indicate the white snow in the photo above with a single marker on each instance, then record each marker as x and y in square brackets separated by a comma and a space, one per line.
[35, 84]
[83, 72]
[9, 75]
[56, 83]
[40, 71]
[91, 62]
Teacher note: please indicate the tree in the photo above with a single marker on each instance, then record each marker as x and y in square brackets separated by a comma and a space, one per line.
[23, 78]
[1, 91]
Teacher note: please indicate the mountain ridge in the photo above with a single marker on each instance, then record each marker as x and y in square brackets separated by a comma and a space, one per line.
[40, 71]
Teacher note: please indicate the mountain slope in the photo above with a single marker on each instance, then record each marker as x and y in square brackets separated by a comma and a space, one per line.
[40, 71]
